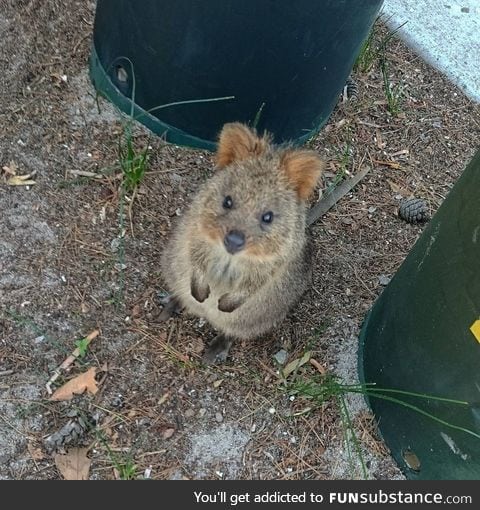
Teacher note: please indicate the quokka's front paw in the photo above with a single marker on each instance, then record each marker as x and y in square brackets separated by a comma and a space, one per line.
[228, 303]
[199, 289]
[217, 350]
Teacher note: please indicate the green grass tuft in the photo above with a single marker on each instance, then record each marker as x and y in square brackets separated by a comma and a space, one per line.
[82, 346]
[319, 390]
[393, 93]
[133, 162]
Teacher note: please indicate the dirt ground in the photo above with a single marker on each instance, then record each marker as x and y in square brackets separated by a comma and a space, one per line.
[69, 265]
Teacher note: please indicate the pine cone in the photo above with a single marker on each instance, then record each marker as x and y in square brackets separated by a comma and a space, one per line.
[71, 433]
[413, 210]
[351, 89]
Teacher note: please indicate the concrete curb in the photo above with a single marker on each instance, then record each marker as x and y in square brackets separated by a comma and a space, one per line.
[445, 33]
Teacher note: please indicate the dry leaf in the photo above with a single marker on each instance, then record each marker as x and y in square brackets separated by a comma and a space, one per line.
[74, 465]
[217, 383]
[77, 385]
[168, 433]
[296, 363]
[20, 180]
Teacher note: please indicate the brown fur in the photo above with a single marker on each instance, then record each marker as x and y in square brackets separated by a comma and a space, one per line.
[245, 294]
[303, 169]
[237, 142]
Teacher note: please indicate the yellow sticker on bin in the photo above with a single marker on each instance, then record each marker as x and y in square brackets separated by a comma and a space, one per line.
[475, 329]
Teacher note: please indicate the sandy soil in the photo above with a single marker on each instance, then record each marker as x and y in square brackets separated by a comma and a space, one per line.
[72, 259]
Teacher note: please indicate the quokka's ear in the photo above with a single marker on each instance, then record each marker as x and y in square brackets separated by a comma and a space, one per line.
[238, 142]
[303, 170]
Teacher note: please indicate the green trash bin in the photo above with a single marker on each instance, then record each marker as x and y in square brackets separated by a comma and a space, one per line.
[282, 62]
[423, 336]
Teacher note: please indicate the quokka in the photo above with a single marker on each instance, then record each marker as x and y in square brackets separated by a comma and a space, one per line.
[240, 256]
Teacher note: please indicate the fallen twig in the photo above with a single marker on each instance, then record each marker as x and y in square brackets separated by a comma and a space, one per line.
[328, 201]
[85, 173]
[318, 366]
[393, 164]
[68, 361]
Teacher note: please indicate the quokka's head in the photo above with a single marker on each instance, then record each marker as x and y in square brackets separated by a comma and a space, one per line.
[254, 206]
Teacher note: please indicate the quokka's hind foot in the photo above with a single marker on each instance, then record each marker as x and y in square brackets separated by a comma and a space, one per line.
[171, 307]
[217, 350]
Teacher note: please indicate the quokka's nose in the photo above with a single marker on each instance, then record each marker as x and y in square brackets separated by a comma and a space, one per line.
[234, 241]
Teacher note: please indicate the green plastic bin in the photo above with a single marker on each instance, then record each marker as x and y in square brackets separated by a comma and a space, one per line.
[283, 62]
[423, 336]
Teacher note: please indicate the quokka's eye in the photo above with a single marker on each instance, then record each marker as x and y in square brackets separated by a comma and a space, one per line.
[227, 202]
[267, 217]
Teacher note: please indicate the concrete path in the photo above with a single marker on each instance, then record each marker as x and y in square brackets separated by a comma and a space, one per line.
[446, 33]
